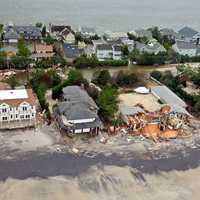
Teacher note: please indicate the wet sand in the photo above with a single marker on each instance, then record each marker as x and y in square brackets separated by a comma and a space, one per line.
[67, 164]
[108, 183]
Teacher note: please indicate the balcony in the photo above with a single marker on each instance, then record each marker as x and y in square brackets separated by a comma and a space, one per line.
[17, 124]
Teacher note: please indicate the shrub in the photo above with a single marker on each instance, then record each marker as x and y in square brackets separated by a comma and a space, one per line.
[156, 74]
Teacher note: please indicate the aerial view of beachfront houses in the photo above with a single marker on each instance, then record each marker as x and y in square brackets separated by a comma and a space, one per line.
[99, 100]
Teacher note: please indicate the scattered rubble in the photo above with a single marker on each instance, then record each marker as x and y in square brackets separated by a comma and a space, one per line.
[163, 124]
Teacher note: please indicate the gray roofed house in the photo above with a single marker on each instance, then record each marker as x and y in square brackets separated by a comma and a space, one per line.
[77, 113]
[76, 94]
[11, 35]
[152, 47]
[186, 48]
[104, 47]
[26, 32]
[117, 48]
[130, 110]
[187, 33]
[166, 96]
[87, 31]
[186, 45]
[126, 111]
[170, 33]
[58, 28]
[144, 33]
[71, 51]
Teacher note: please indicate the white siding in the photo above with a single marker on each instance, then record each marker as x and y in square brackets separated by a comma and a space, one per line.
[23, 111]
[78, 121]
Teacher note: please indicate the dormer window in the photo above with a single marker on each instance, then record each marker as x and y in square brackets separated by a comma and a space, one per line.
[24, 108]
[4, 110]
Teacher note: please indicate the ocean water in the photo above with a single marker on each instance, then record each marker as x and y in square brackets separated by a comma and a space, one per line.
[103, 14]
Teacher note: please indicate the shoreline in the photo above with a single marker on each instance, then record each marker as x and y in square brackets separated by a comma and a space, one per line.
[68, 164]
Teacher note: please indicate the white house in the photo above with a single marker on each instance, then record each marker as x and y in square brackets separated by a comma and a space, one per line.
[117, 52]
[104, 52]
[87, 31]
[17, 108]
[68, 36]
[63, 32]
[115, 35]
[185, 48]
[108, 51]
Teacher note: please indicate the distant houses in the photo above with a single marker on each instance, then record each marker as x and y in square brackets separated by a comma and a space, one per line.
[109, 35]
[186, 48]
[143, 33]
[108, 52]
[17, 108]
[87, 31]
[71, 51]
[170, 34]
[77, 113]
[63, 33]
[13, 33]
[188, 34]
[42, 51]
[152, 47]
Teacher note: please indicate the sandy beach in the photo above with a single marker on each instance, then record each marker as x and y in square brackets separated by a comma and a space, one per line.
[109, 183]
[37, 165]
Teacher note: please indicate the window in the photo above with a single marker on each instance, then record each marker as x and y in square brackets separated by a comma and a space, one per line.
[16, 116]
[27, 116]
[11, 116]
[24, 108]
[4, 110]
[22, 117]
[4, 118]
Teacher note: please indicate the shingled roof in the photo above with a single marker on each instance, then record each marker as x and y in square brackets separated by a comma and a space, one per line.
[15, 102]
[187, 32]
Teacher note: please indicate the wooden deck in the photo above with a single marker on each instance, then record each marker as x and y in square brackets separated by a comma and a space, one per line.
[17, 124]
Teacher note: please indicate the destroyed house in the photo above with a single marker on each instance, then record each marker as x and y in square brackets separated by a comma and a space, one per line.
[127, 112]
[166, 96]
[77, 113]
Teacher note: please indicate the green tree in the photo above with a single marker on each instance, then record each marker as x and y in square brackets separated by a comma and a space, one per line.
[3, 59]
[23, 50]
[156, 74]
[75, 77]
[197, 104]
[39, 24]
[78, 38]
[48, 39]
[126, 78]
[125, 50]
[12, 81]
[1, 28]
[108, 103]
[44, 31]
[102, 78]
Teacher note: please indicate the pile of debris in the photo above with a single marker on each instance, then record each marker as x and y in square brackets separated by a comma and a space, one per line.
[162, 124]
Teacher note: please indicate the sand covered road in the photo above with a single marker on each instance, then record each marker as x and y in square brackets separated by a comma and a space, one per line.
[107, 183]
